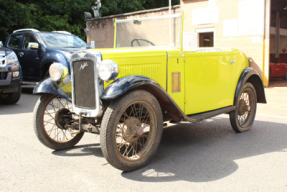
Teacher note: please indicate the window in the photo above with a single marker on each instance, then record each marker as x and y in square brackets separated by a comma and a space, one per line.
[28, 42]
[206, 39]
[60, 40]
[15, 41]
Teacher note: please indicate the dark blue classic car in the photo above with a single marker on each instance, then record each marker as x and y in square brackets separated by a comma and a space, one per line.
[37, 50]
[10, 77]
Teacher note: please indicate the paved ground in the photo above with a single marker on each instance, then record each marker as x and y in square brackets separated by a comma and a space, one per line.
[207, 156]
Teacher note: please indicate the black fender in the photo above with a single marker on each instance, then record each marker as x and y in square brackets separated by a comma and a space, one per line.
[61, 88]
[252, 76]
[121, 86]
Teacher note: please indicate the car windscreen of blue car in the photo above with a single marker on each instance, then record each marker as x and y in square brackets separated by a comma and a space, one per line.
[60, 40]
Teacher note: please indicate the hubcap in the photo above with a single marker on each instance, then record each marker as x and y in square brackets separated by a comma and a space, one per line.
[62, 118]
[243, 107]
[132, 128]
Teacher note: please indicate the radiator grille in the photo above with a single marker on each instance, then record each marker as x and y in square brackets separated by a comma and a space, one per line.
[84, 84]
[2, 60]
[3, 75]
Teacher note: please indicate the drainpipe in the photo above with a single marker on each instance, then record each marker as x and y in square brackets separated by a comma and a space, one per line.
[277, 36]
[169, 23]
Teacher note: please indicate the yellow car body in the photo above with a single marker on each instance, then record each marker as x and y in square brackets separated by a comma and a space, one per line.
[204, 80]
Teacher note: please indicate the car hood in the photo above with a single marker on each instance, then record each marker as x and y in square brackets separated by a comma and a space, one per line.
[69, 50]
[5, 51]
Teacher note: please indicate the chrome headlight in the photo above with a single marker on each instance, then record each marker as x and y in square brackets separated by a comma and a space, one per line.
[11, 58]
[108, 70]
[57, 71]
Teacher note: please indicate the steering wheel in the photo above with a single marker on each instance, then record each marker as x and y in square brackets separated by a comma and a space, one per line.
[141, 39]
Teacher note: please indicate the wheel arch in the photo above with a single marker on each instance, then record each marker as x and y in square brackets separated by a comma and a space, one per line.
[124, 85]
[257, 83]
[45, 69]
[252, 76]
[49, 86]
[50, 58]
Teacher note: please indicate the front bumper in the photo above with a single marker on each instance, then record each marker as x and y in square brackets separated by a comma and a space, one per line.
[6, 76]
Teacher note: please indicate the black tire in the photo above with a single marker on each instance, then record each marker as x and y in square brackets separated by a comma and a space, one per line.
[10, 98]
[243, 117]
[45, 126]
[285, 76]
[131, 130]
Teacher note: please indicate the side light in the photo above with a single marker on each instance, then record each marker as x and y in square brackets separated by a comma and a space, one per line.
[16, 74]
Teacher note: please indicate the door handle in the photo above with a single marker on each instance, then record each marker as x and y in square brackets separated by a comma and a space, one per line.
[21, 54]
[232, 62]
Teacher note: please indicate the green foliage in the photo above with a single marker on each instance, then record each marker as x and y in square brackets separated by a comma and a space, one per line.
[112, 7]
[62, 15]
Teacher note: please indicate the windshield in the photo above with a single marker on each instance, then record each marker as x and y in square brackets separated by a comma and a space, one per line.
[59, 40]
[164, 31]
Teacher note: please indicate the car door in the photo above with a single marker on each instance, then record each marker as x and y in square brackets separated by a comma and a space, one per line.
[29, 57]
[175, 77]
[208, 81]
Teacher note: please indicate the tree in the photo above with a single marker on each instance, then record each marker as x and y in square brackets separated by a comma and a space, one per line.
[62, 15]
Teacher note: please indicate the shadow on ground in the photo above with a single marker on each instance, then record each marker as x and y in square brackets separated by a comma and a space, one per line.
[200, 152]
[81, 150]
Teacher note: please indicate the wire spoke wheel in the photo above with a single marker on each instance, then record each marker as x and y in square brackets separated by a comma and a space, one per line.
[131, 130]
[245, 106]
[52, 115]
[243, 117]
[135, 131]
[58, 109]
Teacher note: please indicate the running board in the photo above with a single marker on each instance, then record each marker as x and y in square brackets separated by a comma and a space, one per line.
[202, 116]
[29, 83]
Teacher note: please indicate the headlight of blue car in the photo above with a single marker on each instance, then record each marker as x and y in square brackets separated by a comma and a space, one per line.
[12, 58]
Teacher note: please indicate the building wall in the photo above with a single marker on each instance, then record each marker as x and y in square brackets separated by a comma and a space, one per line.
[236, 23]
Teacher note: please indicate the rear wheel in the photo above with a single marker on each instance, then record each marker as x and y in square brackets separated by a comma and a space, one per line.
[51, 116]
[243, 117]
[131, 130]
[10, 98]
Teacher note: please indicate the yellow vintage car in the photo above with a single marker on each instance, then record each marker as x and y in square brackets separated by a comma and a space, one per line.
[128, 92]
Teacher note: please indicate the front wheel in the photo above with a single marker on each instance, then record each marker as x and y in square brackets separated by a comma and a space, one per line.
[243, 117]
[10, 98]
[51, 116]
[131, 130]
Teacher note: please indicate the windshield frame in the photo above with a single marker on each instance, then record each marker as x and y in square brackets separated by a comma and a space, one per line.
[137, 20]
[42, 34]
